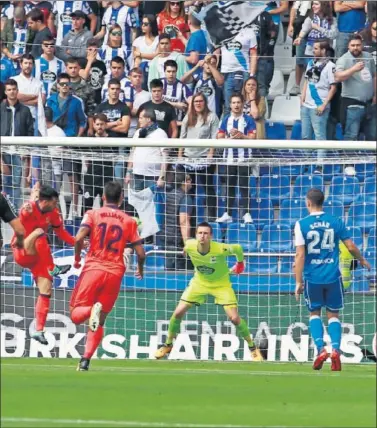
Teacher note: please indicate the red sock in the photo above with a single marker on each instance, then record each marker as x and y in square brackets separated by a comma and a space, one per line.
[80, 314]
[41, 310]
[93, 339]
[43, 250]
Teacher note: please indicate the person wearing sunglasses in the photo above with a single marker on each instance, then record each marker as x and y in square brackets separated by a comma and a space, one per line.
[145, 46]
[172, 21]
[115, 48]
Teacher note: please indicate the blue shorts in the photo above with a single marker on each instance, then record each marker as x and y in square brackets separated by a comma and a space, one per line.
[328, 295]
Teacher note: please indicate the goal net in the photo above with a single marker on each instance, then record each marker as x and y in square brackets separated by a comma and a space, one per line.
[253, 198]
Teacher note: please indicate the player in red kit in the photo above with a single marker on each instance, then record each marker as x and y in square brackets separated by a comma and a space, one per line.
[37, 216]
[109, 230]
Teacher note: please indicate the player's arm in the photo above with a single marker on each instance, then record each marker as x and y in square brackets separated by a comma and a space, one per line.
[299, 260]
[79, 244]
[235, 250]
[19, 231]
[63, 234]
[140, 253]
[352, 248]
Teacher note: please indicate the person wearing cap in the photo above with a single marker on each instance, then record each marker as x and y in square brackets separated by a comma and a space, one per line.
[75, 41]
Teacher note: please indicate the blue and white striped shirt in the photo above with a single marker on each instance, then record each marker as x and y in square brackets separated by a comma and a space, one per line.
[106, 54]
[123, 16]
[177, 92]
[48, 71]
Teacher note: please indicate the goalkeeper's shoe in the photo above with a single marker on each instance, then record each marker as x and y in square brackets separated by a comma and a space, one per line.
[164, 350]
[39, 336]
[336, 365]
[95, 316]
[83, 365]
[321, 358]
[59, 270]
[256, 354]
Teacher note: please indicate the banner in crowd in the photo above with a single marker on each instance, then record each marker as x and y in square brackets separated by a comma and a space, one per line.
[139, 323]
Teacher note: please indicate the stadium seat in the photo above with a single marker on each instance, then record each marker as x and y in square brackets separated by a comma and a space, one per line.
[364, 170]
[291, 171]
[286, 109]
[283, 59]
[253, 187]
[262, 264]
[275, 130]
[371, 257]
[339, 132]
[334, 207]
[372, 240]
[304, 183]
[292, 81]
[344, 188]
[262, 212]
[362, 214]
[292, 210]
[277, 85]
[356, 236]
[154, 262]
[274, 188]
[286, 264]
[296, 133]
[217, 233]
[278, 237]
[370, 189]
[243, 234]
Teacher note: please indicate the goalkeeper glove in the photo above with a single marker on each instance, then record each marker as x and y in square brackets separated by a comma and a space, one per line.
[238, 268]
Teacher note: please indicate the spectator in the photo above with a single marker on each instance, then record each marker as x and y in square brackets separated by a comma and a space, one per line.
[20, 37]
[165, 113]
[75, 41]
[171, 21]
[176, 229]
[200, 123]
[62, 14]
[93, 70]
[7, 69]
[35, 21]
[117, 113]
[68, 114]
[147, 165]
[369, 39]
[156, 66]
[318, 25]
[127, 94]
[299, 12]
[78, 86]
[238, 62]
[276, 9]
[123, 16]
[255, 105]
[48, 67]
[237, 125]
[357, 72]
[351, 19]
[196, 48]
[52, 166]
[266, 33]
[2, 92]
[99, 171]
[176, 93]
[145, 46]
[114, 48]
[16, 121]
[318, 91]
[141, 97]
[207, 80]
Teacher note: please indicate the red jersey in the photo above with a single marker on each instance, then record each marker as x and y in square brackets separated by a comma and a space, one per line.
[32, 218]
[110, 231]
[171, 26]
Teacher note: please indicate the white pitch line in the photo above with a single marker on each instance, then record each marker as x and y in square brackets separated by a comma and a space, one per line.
[129, 423]
[190, 371]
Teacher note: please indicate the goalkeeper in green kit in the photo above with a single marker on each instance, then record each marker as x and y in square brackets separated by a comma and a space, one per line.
[211, 278]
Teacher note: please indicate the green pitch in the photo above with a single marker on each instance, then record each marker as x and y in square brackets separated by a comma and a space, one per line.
[49, 392]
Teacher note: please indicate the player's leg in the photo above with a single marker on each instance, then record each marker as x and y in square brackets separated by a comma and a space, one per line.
[42, 307]
[334, 303]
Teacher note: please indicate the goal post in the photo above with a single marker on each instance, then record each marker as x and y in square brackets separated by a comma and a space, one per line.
[269, 183]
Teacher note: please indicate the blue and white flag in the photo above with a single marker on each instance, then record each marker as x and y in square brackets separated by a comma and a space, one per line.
[225, 19]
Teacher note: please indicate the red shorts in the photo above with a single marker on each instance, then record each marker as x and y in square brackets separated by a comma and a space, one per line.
[96, 286]
[34, 263]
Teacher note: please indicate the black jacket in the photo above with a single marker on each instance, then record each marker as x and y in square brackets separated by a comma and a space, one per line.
[24, 123]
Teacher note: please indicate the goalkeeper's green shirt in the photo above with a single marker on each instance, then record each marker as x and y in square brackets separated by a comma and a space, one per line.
[212, 269]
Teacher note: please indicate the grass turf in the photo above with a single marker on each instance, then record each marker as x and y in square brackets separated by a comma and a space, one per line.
[145, 393]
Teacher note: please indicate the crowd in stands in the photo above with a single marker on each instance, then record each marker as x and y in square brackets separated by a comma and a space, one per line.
[145, 69]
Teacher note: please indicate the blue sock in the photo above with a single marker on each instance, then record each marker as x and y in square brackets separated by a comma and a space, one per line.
[335, 332]
[316, 329]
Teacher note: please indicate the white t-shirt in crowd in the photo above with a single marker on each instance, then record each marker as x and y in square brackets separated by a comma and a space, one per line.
[140, 98]
[55, 131]
[147, 160]
[236, 53]
[31, 86]
[320, 77]
[141, 44]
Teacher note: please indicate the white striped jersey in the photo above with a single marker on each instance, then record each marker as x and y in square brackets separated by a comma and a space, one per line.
[127, 93]
[8, 10]
[106, 54]
[123, 16]
[48, 71]
[19, 39]
[177, 92]
[209, 88]
[63, 10]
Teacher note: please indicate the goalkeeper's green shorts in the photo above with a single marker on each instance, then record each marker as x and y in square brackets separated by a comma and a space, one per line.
[196, 293]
